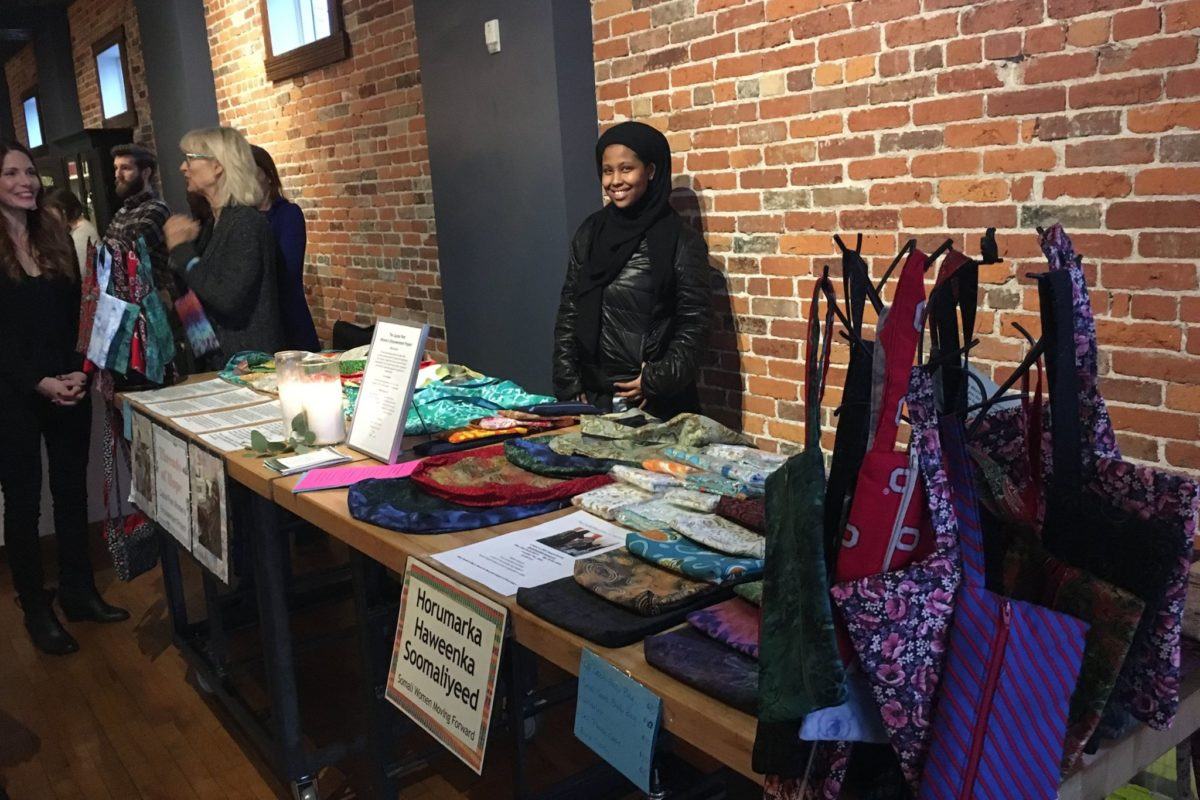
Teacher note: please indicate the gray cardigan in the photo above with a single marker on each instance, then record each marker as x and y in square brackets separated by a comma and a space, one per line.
[232, 268]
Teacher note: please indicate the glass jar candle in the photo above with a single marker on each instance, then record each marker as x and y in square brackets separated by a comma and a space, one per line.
[289, 378]
[322, 397]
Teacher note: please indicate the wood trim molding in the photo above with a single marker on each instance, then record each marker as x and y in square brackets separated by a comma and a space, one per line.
[314, 55]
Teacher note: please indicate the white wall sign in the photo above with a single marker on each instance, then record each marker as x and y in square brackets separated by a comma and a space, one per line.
[387, 389]
[445, 660]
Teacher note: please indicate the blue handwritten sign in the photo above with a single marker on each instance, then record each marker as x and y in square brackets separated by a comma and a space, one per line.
[127, 421]
[617, 717]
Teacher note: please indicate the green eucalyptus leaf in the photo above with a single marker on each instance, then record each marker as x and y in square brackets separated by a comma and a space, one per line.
[300, 423]
[258, 442]
[310, 437]
[277, 447]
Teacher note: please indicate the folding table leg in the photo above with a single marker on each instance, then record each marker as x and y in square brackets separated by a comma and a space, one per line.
[381, 742]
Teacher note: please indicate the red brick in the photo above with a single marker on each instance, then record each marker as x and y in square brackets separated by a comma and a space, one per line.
[1164, 117]
[877, 118]
[1136, 23]
[781, 9]
[764, 179]
[792, 153]
[877, 168]
[974, 190]
[945, 163]
[1002, 45]
[1088, 32]
[712, 47]
[1168, 181]
[921, 29]
[1154, 214]
[847, 147]
[968, 80]
[1027, 101]
[1026, 159]
[1063, 9]
[815, 176]
[1086, 184]
[848, 45]
[1052, 69]
[827, 125]
[998, 16]
[629, 23]
[1163, 308]
[1154, 54]
[964, 51]
[1182, 83]
[981, 217]
[899, 194]
[1183, 455]
[792, 106]
[819, 23]
[981, 134]
[1169, 245]
[1182, 16]
[931, 112]
[1154, 423]
[1110, 152]
[1046, 39]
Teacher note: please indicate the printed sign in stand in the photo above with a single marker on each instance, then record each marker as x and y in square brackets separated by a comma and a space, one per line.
[617, 717]
[172, 486]
[387, 388]
[446, 659]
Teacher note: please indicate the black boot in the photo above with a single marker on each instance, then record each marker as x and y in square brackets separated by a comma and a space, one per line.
[86, 605]
[46, 631]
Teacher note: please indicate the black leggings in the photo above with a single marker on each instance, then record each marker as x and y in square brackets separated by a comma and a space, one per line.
[66, 432]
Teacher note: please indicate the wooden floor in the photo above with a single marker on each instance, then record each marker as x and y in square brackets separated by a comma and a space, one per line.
[123, 720]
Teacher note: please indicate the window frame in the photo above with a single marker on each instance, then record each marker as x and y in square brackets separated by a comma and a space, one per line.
[128, 117]
[32, 92]
[308, 57]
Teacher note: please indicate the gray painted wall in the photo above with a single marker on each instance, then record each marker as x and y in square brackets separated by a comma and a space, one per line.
[511, 137]
[180, 79]
[58, 98]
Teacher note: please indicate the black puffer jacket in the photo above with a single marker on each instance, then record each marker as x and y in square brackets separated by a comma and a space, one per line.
[665, 326]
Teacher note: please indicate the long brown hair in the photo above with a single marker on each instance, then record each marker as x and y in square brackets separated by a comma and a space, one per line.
[267, 164]
[48, 237]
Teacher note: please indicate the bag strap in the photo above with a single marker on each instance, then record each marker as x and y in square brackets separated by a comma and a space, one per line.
[963, 498]
[1032, 496]
[895, 348]
[1055, 298]
[922, 414]
[856, 284]
[955, 295]
[816, 358]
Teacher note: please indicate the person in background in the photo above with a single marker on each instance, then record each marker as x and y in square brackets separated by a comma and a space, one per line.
[635, 308]
[44, 393]
[287, 221]
[66, 206]
[229, 261]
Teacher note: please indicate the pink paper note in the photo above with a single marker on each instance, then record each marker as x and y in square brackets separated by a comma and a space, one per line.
[338, 477]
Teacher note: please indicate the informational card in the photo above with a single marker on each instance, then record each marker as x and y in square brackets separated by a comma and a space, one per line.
[209, 512]
[445, 660]
[172, 486]
[617, 717]
[211, 386]
[142, 457]
[207, 403]
[321, 478]
[387, 388]
[536, 555]
[233, 439]
[233, 418]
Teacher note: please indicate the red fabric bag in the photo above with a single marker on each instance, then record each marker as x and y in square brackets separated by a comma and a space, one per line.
[888, 525]
[485, 477]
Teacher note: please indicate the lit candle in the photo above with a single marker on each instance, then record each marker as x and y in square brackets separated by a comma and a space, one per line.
[289, 379]
[322, 399]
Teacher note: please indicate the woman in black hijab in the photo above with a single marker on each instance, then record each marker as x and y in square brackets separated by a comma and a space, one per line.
[635, 308]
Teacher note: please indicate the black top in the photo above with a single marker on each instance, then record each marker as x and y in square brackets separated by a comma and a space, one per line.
[232, 268]
[39, 327]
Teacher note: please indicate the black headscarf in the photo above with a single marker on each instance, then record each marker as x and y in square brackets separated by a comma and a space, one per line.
[619, 231]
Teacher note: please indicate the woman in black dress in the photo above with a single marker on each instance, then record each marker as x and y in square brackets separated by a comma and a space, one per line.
[44, 393]
[635, 309]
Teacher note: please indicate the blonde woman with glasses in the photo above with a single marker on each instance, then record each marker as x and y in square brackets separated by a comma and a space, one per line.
[229, 261]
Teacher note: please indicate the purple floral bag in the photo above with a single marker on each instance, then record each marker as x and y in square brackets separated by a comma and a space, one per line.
[898, 621]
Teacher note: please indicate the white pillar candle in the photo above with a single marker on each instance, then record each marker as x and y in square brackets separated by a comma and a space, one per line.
[291, 401]
[323, 405]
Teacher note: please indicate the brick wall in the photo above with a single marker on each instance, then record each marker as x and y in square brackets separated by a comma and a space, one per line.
[350, 144]
[20, 72]
[90, 21]
[792, 119]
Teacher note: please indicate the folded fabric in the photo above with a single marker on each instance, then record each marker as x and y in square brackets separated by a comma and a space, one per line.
[622, 450]
[689, 430]
[718, 484]
[693, 500]
[626, 580]
[644, 479]
[536, 456]
[750, 474]
[482, 434]
[617, 426]
[668, 467]
[439, 447]
[706, 665]
[570, 606]
[734, 623]
[750, 513]
[751, 591]
[444, 406]
[499, 423]
[399, 505]
[672, 551]
[748, 455]
[561, 408]
[707, 529]
[485, 477]
[608, 500]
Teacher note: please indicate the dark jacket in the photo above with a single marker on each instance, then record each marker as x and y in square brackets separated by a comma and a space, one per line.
[665, 326]
[39, 326]
[287, 221]
[232, 268]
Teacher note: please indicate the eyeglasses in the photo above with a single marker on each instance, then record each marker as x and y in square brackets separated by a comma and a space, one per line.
[194, 156]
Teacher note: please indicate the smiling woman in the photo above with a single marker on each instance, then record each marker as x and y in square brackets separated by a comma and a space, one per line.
[634, 312]
[43, 391]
